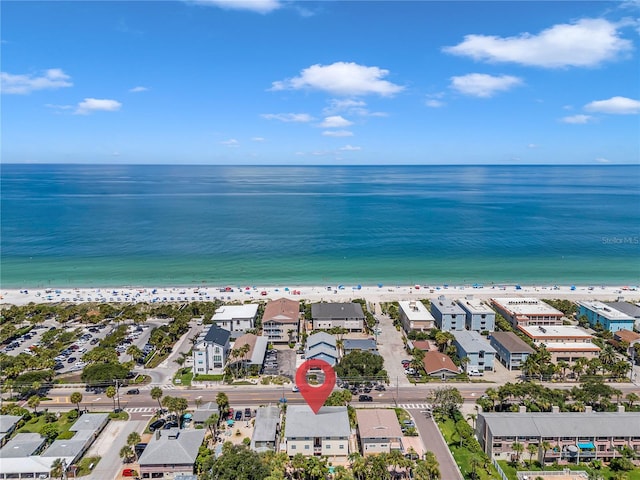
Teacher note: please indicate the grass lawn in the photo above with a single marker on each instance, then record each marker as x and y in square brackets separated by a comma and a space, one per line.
[208, 378]
[119, 416]
[36, 423]
[184, 375]
[605, 472]
[86, 465]
[463, 455]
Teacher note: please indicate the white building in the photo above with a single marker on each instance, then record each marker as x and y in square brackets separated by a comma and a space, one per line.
[236, 318]
[210, 351]
[414, 316]
[325, 433]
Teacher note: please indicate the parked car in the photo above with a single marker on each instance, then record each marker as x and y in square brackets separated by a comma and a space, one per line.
[365, 398]
[380, 388]
[169, 425]
[133, 391]
[247, 413]
[71, 359]
[156, 425]
[129, 472]
[238, 415]
[474, 373]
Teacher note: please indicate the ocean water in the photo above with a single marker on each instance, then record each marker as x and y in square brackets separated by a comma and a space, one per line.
[114, 225]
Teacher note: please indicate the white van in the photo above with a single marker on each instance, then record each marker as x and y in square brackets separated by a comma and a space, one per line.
[474, 372]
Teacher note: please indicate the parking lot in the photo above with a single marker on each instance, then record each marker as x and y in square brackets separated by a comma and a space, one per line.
[280, 362]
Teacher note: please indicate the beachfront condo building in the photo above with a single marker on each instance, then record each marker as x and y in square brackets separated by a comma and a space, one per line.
[563, 342]
[511, 350]
[281, 320]
[476, 349]
[326, 316]
[326, 433]
[415, 316]
[478, 315]
[527, 311]
[573, 436]
[210, 351]
[449, 316]
[236, 318]
[609, 318]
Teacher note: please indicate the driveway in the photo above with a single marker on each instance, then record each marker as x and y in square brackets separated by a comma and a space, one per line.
[391, 347]
[108, 446]
[433, 441]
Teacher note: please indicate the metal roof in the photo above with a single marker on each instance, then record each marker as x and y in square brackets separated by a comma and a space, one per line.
[328, 422]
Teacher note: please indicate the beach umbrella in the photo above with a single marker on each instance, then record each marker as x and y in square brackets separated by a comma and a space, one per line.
[359, 287]
[380, 285]
[286, 289]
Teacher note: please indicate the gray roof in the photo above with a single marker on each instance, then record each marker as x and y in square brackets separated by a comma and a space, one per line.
[318, 349]
[164, 450]
[22, 445]
[205, 410]
[337, 310]
[90, 421]
[8, 421]
[472, 341]
[359, 344]
[329, 422]
[65, 448]
[563, 424]
[447, 307]
[321, 337]
[266, 424]
[626, 308]
[217, 335]
[259, 351]
[511, 342]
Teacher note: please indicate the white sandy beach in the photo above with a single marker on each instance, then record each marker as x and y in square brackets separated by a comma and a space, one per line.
[335, 293]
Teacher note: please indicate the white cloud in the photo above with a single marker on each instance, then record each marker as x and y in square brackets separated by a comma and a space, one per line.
[58, 107]
[433, 103]
[138, 89]
[90, 105]
[350, 148]
[532, 145]
[335, 121]
[288, 117]
[602, 160]
[614, 105]
[258, 139]
[259, 6]
[585, 43]
[337, 133]
[232, 142]
[483, 85]
[576, 119]
[341, 78]
[24, 84]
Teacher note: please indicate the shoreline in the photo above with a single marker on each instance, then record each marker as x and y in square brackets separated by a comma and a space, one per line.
[316, 293]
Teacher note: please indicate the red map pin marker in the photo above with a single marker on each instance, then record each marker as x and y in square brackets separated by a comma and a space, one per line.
[315, 395]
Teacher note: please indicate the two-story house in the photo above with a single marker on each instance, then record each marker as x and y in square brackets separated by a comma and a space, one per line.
[236, 318]
[326, 316]
[415, 316]
[211, 351]
[378, 431]
[322, 346]
[323, 434]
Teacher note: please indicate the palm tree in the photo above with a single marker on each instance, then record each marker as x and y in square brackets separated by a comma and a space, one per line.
[211, 423]
[563, 365]
[76, 397]
[545, 445]
[156, 394]
[111, 393]
[133, 438]
[358, 466]
[473, 417]
[532, 448]
[134, 352]
[126, 452]
[298, 462]
[427, 469]
[631, 398]
[57, 468]
[608, 355]
[518, 448]
[33, 402]
[223, 403]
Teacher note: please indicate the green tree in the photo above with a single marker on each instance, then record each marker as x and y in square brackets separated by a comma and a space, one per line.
[126, 453]
[223, 403]
[34, 402]
[134, 352]
[358, 465]
[57, 468]
[104, 373]
[446, 400]
[111, 393]
[532, 448]
[236, 463]
[133, 438]
[49, 431]
[518, 448]
[76, 397]
[156, 394]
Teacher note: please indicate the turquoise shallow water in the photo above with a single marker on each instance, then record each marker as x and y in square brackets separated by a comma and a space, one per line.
[99, 225]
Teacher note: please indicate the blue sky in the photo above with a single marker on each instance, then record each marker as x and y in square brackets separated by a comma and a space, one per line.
[333, 82]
